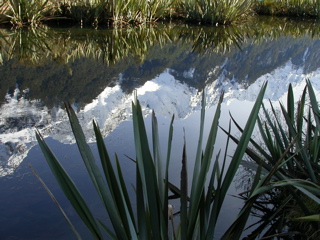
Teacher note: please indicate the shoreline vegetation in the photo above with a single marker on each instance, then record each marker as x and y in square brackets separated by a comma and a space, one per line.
[111, 13]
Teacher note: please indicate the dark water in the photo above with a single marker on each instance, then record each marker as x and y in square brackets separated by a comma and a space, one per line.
[97, 71]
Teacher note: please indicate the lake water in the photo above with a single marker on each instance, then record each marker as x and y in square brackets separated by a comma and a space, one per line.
[98, 70]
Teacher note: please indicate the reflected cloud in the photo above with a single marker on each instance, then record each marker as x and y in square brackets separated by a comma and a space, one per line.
[163, 94]
[169, 66]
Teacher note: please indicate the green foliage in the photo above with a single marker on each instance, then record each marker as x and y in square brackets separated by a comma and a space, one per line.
[84, 12]
[123, 12]
[297, 8]
[289, 154]
[216, 12]
[287, 177]
[198, 213]
[25, 12]
[87, 12]
[3, 10]
[132, 12]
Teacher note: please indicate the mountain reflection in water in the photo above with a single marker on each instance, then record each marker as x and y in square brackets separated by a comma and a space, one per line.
[168, 65]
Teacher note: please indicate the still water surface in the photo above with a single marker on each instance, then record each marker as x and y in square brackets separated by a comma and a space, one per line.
[97, 72]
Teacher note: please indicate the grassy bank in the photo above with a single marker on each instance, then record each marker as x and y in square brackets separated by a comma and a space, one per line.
[293, 8]
[20, 13]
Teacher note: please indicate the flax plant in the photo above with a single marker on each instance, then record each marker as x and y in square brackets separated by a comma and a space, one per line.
[216, 12]
[289, 158]
[26, 12]
[298, 8]
[21, 13]
[4, 6]
[124, 12]
[198, 212]
[88, 12]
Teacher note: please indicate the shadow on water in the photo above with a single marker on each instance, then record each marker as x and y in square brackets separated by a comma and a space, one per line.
[79, 63]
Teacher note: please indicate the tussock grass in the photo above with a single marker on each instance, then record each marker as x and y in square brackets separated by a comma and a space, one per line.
[20, 13]
[23, 12]
[294, 8]
[85, 12]
[216, 12]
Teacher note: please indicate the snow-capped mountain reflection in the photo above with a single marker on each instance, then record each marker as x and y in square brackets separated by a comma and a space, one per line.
[19, 117]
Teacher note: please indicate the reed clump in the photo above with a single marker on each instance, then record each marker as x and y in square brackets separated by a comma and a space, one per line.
[216, 12]
[22, 13]
[85, 12]
[293, 8]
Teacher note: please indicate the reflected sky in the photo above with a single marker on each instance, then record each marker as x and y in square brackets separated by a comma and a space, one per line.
[163, 94]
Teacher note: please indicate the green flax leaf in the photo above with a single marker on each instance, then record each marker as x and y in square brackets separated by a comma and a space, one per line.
[69, 188]
[235, 161]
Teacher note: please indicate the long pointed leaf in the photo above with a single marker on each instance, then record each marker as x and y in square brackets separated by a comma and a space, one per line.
[56, 202]
[95, 174]
[69, 188]
[236, 160]
[184, 194]
[114, 186]
[200, 180]
[147, 171]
